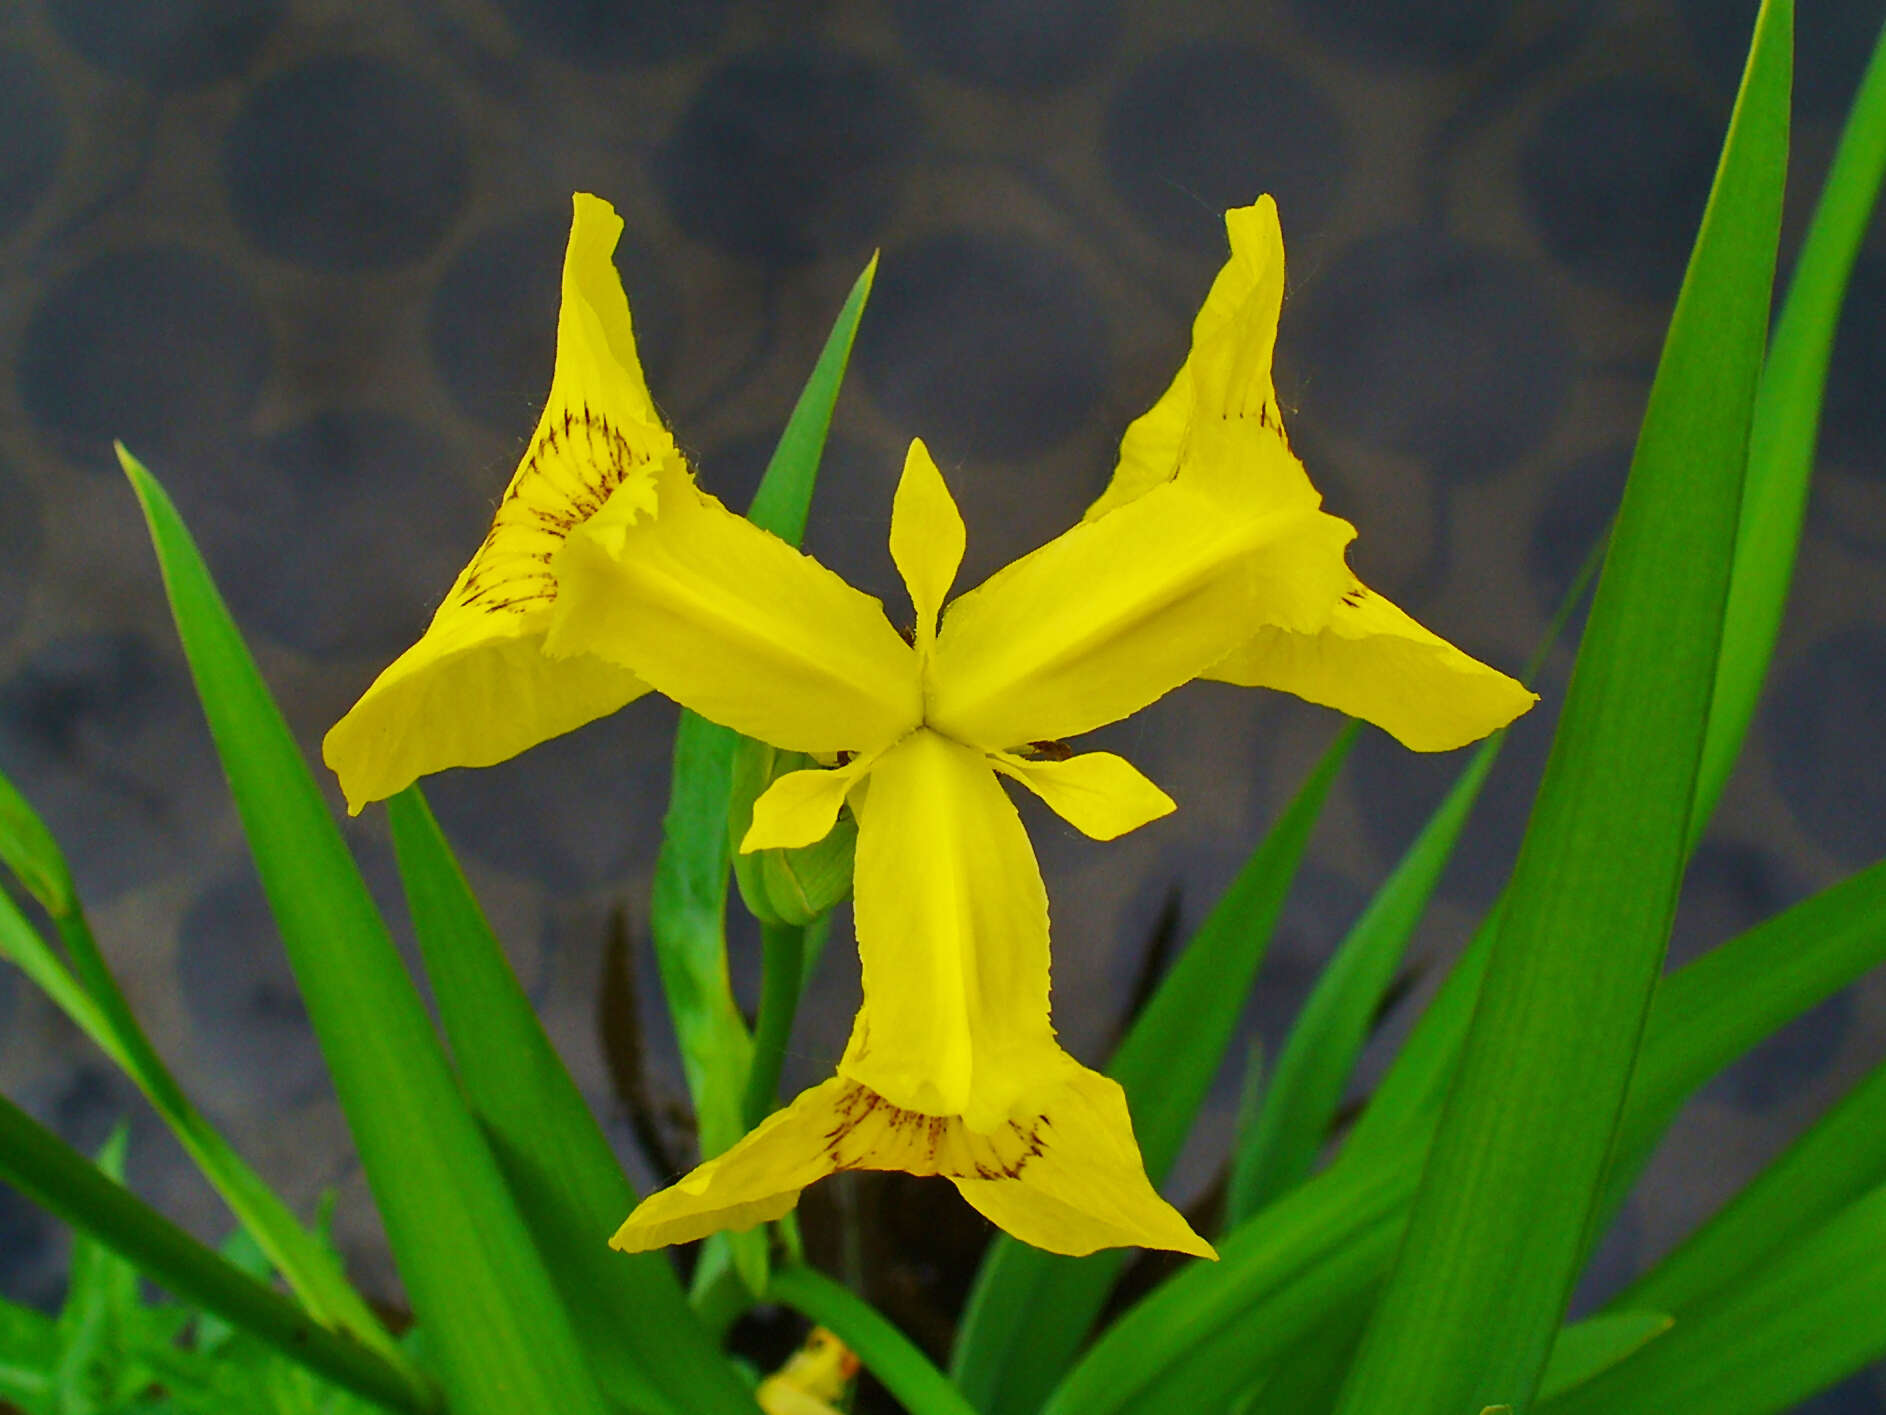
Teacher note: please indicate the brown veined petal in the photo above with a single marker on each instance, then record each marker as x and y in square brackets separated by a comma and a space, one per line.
[1115, 613]
[475, 689]
[1374, 662]
[952, 924]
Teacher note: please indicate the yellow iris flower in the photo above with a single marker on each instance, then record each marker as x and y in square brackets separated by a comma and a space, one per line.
[1209, 555]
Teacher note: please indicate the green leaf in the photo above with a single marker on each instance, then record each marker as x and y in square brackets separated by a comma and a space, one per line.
[1786, 423]
[1030, 1310]
[28, 849]
[54, 1175]
[502, 1339]
[1801, 1320]
[887, 1353]
[1498, 1229]
[1585, 1350]
[568, 1186]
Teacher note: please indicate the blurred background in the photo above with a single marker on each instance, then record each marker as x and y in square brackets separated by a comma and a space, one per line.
[302, 256]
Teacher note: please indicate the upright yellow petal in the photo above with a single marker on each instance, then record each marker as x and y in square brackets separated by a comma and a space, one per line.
[729, 620]
[475, 689]
[1062, 1172]
[1119, 611]
[927, 539]
[1373, 662]
[1097, 793]
[952, 923]
[1227, 371]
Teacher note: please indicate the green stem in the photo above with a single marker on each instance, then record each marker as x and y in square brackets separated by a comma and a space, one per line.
[782, 964]
[59, 1178]
[910, 1376]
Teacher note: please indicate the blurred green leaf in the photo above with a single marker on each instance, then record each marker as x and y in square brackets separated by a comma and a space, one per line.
[1030, 1310]
[887, 1353]
[568, 1186]
[54, 1175]
[1498, 1227]
[502, 1339]
[1797, 1322]
[1585, 1350]
[28, 849]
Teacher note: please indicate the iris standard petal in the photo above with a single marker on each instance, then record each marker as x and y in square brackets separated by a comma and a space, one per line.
[729, 620]
[927, 539]
[1064, 1170]
[952, 923]
[1373, 662]
[1084, 1185]
[1227, 370]
[474, 689]
[801, 807]
[1097, 793]
[1119, 611]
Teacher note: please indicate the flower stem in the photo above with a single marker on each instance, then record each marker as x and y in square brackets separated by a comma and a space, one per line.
[782, 963]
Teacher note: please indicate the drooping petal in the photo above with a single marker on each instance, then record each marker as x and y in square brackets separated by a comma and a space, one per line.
[1119, 611]
[801, 807]
[1084, 1185]
[1374, 662]
[729, 620]
[1063, 1172]
[1227, 371]
[1097, 793]
[475, 689]
[927, 539]
[952, 923]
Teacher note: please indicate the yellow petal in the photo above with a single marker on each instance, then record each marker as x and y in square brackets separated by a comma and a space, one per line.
[1084, 1185]
[1372, 661]
[927, 539]
[475, 689]
[801, 807]
[1119, 611]
[729, 620]
[1227, 371]
[952, 923]
[1097, 793]
[1063, 1172]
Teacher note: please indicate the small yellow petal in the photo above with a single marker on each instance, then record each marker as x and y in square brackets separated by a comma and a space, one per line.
[801, 807]
[927, 539]
[476, 689]
[1119, 611]
[952, 924]
[1097, 793]
[1084, 1186]
[729, 620]
[1374, 662]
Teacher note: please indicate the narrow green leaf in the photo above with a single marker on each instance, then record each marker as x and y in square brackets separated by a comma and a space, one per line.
[1498, 1228]
[502, 1339]
[28, 849]
[1807, 1316]
[1586, 1350]
[54, 1175]
[782, 975]
[1030, 1310]
[886, 1352]
[1786, 424]
[568, 1186]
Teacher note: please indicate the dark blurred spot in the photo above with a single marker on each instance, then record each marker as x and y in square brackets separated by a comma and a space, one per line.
[20, 542]
[1853, 422]
[1822, 728]
[346, 163]
[785, 156]
[170, 45]
[1615, 177]
[1212, 126]
[1857, 1395]
[32, 137]
[607, 34]
[29, 1268]
[492, 326]
[1019, 45]
[1831, 44]
[162, 347]
[1441, 350]
[1578, 507]
[1434, 35]
[984, 347]
[248, 1023]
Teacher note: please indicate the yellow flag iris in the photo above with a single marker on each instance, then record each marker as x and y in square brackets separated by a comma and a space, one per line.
[1209, 555]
